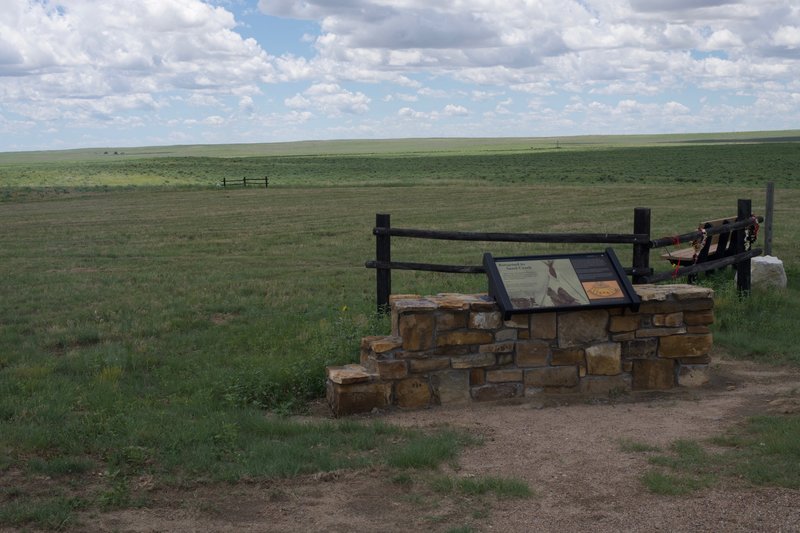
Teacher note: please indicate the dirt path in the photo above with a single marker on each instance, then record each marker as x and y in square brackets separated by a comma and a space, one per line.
[569, 453]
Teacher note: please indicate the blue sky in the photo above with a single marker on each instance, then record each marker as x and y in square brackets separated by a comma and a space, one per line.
[83, 73]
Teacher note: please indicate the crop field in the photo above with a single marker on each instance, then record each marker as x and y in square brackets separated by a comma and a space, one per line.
[148, 317]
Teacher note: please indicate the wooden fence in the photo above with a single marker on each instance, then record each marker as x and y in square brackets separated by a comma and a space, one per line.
[640, 239]
[226, 182]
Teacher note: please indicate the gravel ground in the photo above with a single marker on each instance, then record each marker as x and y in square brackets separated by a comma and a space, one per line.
[568, 451]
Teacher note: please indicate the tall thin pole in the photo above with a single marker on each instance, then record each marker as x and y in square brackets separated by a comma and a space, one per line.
[383, 254]
[641, 252]
[744, 211]
[768, 218]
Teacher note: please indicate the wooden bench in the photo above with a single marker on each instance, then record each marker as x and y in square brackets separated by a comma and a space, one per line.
[716, 246]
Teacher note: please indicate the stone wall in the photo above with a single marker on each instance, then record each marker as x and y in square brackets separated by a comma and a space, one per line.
[456, 348]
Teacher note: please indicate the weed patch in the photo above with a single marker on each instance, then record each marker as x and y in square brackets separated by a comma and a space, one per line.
[764, 452]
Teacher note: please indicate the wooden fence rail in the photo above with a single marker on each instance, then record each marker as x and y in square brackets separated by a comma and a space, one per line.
[244, 181]
[640, 239]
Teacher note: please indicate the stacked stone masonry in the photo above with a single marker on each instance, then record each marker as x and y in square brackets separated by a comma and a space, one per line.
[456, 348]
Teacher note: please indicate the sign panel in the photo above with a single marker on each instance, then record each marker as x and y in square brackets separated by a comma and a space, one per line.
[558, 282]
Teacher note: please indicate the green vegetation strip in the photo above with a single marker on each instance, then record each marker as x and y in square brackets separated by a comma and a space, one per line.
[766, 451]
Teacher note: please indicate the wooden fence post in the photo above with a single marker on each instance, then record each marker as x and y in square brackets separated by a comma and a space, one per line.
[244, 181]
[641, 251]
[744, 211]
[770, 210]
[266, 182]
[223, 183]
[383, 254]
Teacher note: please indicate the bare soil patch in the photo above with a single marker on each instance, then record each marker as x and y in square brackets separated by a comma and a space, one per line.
[567, 450]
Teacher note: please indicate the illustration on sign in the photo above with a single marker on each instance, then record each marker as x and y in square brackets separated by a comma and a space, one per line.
[538, 283]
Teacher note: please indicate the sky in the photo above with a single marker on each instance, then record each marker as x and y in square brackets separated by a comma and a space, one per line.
[107, 73]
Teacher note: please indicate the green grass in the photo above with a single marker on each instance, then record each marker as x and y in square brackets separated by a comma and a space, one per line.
[762, 326]
[145, 331]
[765, 451]
[477, 486]
[631, 161]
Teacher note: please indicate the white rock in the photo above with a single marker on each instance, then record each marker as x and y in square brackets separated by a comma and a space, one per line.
[767, 271]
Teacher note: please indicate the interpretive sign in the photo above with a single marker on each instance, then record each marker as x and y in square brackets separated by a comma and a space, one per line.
[545, 283]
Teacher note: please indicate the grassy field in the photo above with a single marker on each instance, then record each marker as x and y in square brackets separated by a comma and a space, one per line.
[127, 311]
[645, 160]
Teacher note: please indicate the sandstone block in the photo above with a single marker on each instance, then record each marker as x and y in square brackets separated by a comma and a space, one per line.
[391, 369]
[451, 387]
[358, 397]
[477, 376]
[674, 306]
[410, 305]
[639, 348]
[544, 326]
[693, 375]
[627, 336]
[395, 297]
[653, 374]
[382, 345]
[582, 327]
[523, 334]
[532, 353]
[502, 347]
[347, 374]
[412, 393]
[505, 359]
[419, 366]
[451, 320]
[551, 376]
[505, 335]
[482, 302]
[622, 323]
[627, 366]
[416, 330]
[685, 345]
[567, 356]
[485, 320]
[452, 301]
[461, 338]
[658, 332]
[452, 350]
[660, 293]
[473, 360]
[697, 329]
[497, 391]
[671, 320]
[604, 359]
[503, 375]
[699, 318]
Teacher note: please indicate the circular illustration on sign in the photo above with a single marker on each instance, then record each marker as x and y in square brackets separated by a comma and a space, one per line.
[603, 290]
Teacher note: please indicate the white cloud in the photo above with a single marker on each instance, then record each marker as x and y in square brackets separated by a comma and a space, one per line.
[453, 110]
[71, 51]
[330, 99]
[117, 62]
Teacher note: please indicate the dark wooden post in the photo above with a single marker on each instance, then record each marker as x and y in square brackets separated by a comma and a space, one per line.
[244, 181]
[743, 212]
[223, 183]
[266, 182]
[770, 211]
[383, 254]
[641, 251]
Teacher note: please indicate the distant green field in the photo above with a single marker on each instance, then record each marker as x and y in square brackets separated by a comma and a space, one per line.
[143, 330]
[697, 160]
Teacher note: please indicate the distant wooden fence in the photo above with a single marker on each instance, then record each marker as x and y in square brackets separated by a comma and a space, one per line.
[640, 239]
[234, 182]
